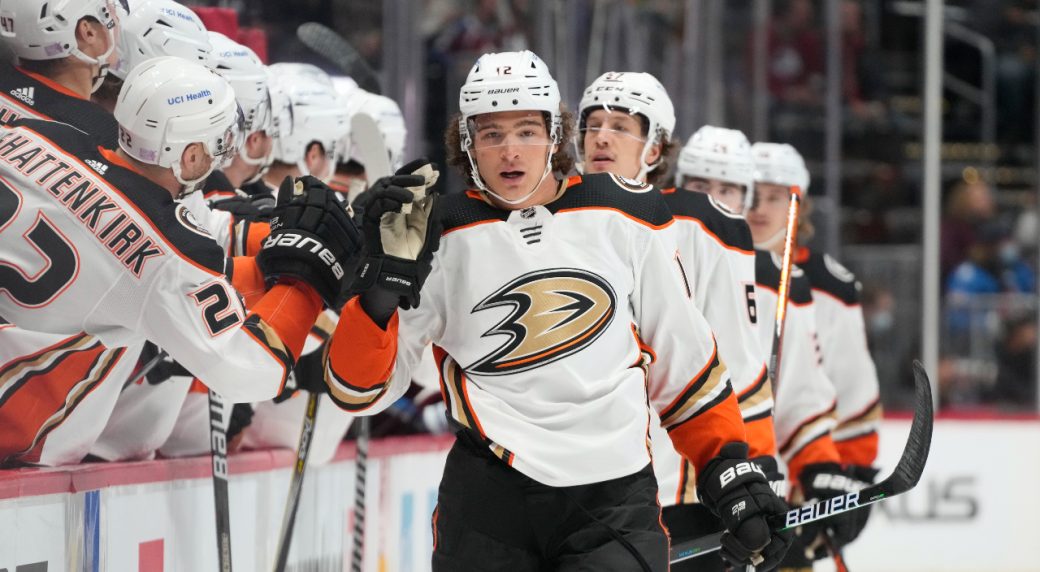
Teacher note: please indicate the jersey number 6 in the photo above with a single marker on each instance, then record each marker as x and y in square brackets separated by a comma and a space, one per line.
[61, 261]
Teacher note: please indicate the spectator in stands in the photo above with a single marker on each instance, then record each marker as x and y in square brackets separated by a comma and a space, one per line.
[796, 56]
[969, 203]
[1016, 383]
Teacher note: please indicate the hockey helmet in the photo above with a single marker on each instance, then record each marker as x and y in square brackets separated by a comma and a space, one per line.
[168, 103]
[721, 154]
[156, 28]
[636, 93]
[388, 118]
[46, 29]
[309, 110]
[780, 164]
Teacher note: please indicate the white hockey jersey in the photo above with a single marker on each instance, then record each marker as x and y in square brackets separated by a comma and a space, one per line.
[104, 251]
[69, 401]
[846, 357]
[716, 259]
[545, 322]
[805, 397]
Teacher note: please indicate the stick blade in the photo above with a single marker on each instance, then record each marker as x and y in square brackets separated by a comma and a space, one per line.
[325, 42]
[911, 464]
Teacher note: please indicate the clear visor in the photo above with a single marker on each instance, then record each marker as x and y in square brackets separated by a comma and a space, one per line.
[486, 137]
[224, 147]
[605, 131]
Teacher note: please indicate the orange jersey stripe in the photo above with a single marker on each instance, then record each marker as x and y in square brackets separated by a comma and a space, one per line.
[861, 450]
[819, 450]
[761, 437]
[360, 351]
[703, 436]
[255, 235]
[290, 310]
[247, 279]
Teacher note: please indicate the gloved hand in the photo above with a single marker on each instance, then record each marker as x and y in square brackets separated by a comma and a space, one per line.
[241, 417]
[820, 481]
[402, 230]
[312, 239]
[737, 490]
[308, 375]
[777, 480]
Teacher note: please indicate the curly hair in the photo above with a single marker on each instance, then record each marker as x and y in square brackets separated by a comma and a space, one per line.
[562, 160]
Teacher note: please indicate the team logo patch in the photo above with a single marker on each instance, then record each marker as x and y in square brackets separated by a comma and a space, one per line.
[554, 313]
[189, 221]
[630, 185]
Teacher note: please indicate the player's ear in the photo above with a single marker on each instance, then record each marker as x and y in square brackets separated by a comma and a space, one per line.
[192, 156]
[90, 34]
[653, 154]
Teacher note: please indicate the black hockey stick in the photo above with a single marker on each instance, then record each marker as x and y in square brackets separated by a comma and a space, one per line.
[904, 477]
[292, 501]
[328, 44]
[357, 557]
[218, 449]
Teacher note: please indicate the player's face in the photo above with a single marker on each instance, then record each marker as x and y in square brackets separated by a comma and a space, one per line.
[511, 149]
[318, 161]
[612, 142]
[731, 195]
[768, 215]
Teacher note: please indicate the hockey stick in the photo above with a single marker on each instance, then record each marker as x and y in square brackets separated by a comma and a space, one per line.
[904, 477]
[357, 556]
[783, 289]
[218, 449]
[328, 44]
[292, 501]
[146, 368]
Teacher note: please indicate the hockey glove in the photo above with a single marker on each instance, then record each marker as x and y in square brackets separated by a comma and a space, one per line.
[820, 481]
[240, 206]
[241, 417]
[402, 230]
[308, 375]
[777, 480]
[737, 490]
[312, 239]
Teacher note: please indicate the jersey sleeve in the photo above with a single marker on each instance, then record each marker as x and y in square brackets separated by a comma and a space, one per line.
[724, 290]
[199, 319]
[848, 364]
[368, 367]
[219, 224]
[688, 383]
[805, 397]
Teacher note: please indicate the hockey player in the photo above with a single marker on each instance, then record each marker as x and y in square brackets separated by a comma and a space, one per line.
[840, 338]
[63, 51]
[106, 230]
[311, 127]
[625, 127]
[544, 345]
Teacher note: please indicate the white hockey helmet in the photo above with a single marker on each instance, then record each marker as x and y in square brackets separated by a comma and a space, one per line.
[389, 119]
[636, 93]
[509, 81]
[168, 103]
[242, 68]
[155, 28]
[780, 164]
[309, 110]
[46, 29]
[721, 154]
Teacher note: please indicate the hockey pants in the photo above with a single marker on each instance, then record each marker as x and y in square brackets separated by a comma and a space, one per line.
[491, 517]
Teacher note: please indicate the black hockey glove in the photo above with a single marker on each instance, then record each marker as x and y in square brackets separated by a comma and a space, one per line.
[777, 480]
[737, 490]
[308, 375]
[312, 239]
[820, 481]
[402, 230]
[241, 417]
[240, 206]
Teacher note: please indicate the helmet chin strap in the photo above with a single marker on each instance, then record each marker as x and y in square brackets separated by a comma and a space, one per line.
[189, 186]
[100, 61]
[772, 241]
[483, 187]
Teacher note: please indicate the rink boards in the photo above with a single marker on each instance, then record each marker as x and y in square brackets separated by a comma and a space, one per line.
[977, 509]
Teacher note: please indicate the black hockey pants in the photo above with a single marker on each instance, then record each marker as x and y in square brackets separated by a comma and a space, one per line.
[490, 517]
